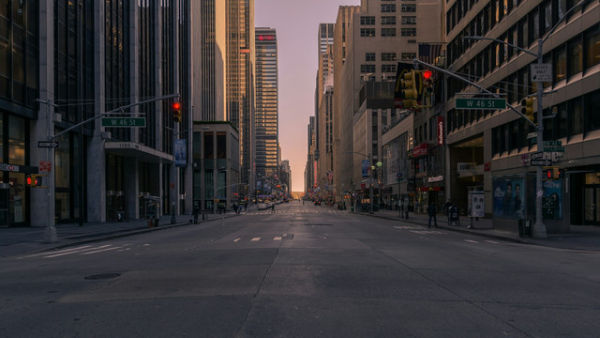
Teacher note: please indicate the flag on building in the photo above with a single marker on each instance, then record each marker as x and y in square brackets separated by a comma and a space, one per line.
[429, 52]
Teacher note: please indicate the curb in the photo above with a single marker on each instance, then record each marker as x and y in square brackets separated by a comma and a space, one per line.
[465, 231]
[125, 233]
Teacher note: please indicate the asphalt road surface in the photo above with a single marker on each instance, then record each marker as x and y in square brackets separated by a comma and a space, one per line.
[305, 271]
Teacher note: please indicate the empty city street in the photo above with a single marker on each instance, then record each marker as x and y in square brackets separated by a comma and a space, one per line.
[303, 271]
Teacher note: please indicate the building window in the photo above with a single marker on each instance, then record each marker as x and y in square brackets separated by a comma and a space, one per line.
[409, 8]
[388, 20]
[370, 57]
[409, 56]
[592, 46]
[367, 20]
[388, 8]
[409, 20]
[409, 32]
[388, 68]
[388, 32]
[367, 68]
[388, 56]
[575, 57]
[367, 32]
[560, 64]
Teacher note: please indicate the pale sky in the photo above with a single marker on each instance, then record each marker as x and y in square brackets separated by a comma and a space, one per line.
[297, 25]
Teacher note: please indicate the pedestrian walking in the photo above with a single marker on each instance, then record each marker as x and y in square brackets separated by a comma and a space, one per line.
[447, 207]
[431, 210]
[273, 208]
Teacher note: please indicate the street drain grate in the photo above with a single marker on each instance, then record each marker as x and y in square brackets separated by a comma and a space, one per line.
[110, 275]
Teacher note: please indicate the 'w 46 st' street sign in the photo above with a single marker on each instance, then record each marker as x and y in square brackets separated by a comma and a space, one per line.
[123, 122]
[481, 103]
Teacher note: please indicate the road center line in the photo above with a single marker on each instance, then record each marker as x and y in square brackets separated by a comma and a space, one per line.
[101, 250]
[470, 241]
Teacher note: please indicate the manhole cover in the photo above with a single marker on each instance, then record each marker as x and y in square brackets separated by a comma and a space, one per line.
[103, 276]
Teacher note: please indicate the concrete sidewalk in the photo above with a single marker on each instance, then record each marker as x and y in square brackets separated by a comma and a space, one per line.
[579, 238]
[31, 239]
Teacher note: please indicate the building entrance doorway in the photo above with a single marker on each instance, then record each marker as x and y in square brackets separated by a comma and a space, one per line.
[591, 204]
[4, 205]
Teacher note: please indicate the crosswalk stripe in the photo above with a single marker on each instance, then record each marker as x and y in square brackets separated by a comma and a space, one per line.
[76, 252]
[255, 239]
[237, 240]
[492, 242]
[470, 241]
[277, 238]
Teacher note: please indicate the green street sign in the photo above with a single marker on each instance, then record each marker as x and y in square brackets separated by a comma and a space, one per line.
[123, 122]
[479, 103]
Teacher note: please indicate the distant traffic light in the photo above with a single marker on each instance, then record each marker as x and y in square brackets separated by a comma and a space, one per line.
[410, 94]
[33, 180]
[527, 105]
[176, 107]
[427, 74]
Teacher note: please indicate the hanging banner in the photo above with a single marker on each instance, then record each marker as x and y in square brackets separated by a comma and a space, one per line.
[365, 168]
[508, 197]
[180, 153]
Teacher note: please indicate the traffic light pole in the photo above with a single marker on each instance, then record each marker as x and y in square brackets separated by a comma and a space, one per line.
[539, 228]
[50, 231]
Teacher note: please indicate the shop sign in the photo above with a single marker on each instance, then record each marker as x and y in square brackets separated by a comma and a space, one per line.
[9, 167]
[365, 168]
[420, 150]
[465, 166]
[435, 179]
[180, 153]
[440, 130]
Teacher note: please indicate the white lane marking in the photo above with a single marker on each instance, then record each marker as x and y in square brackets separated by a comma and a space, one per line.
[126, 249]
[101, 250]
[76, 252]
[470, 241]
[57, 252]
[426, 232]
[255, 239]
[146, 244]
[277, 238]
[492, 242]
[237, 240]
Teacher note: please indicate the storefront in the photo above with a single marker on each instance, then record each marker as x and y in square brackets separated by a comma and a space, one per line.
[14, 160]
[584, 204]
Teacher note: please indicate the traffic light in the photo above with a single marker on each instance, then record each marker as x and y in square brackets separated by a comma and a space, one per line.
[553, 173]
[426, 90]
[176, 106]
[527, 105]
[33, 180]
[410, 94]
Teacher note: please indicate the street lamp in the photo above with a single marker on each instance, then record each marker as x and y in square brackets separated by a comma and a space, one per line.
[539, 228]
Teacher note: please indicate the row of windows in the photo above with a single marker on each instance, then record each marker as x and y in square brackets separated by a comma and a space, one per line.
[573, 117]
[371, 57]
[370, 32]
[388, 20]
[496, 9]
[386, 68]
[523, 34]
[577, 55]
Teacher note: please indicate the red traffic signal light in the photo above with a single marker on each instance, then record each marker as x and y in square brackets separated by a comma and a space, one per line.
[176, 105]
[427, 74]
[549, 174]
[29, 180]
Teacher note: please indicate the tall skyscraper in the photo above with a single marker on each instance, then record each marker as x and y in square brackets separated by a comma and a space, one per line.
[210, 67]
[241, 82]
[267, 112]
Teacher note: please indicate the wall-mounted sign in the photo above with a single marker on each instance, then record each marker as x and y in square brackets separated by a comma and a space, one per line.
[420, 150]
[435, 179]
